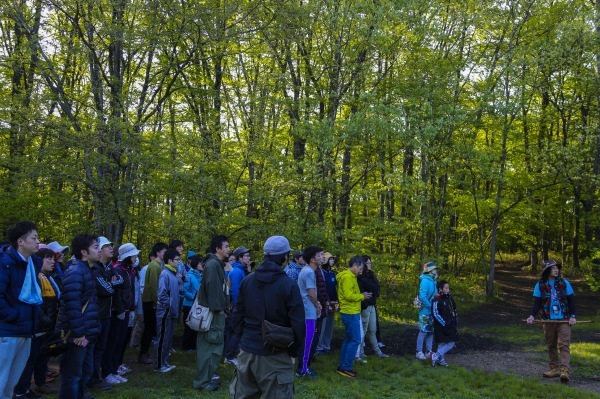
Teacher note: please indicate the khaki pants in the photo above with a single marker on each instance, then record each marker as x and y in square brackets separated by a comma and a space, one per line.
[558, 336]
[267, 376]
[209, 347]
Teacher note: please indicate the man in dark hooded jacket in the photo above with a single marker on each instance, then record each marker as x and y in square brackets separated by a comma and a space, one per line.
[267, 294]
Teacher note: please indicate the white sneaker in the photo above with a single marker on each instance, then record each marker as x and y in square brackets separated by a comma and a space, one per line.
[434, 358]
[110, 379]
[421, 356]
[123, 370]
[381, 344]
[119, 378]
[165, 369]
[232, 361]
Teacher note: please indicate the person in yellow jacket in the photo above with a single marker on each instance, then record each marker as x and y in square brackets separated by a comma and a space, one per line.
[350, 297]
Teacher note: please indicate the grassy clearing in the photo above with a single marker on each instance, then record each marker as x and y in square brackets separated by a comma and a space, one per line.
[401, 377]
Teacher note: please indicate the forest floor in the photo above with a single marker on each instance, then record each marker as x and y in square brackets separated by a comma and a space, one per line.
[490, 352]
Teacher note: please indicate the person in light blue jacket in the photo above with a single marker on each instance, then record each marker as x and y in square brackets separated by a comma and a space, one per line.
[427, 290]
[190, 288]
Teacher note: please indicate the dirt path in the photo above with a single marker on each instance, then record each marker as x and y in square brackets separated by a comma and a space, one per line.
[491, 353]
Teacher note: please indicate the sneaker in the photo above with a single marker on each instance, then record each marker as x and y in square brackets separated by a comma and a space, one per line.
[164, 369]
[119, 378]
[123, 370]
[232, 361]
[216, 377]
[421, 356]
[110, 379]
[211, 387]
[170, 366]
[434, 358]
[442, 362]
[348, 373]
[381, 344]
[172, 351]
[360, 360]
[382, 355]
[309, 373]
[29, 394]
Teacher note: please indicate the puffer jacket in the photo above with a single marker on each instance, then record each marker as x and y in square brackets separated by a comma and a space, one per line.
[79, 287]
[17, 319]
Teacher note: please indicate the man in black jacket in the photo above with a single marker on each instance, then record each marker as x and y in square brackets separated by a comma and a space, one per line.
[78, 317]
[267, 294]
[106, 281]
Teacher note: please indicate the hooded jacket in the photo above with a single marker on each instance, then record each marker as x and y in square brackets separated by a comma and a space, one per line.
[367, 282]
[426, 292]
[348, 293]
[17, 319]
[268, 294]
[236, 275]
[191, 286]
[168, 294]
[446, 318]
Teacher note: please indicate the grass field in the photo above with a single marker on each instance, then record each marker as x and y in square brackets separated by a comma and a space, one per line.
[395, 377]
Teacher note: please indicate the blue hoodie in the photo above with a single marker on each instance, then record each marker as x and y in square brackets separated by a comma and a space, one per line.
[426, 292]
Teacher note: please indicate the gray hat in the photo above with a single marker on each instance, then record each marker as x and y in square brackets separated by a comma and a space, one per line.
[239, 251]
[126, 250]
[549, 263]
[276, 245]
[102, 241]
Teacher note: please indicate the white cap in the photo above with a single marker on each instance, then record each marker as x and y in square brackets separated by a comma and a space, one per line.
[102, 241]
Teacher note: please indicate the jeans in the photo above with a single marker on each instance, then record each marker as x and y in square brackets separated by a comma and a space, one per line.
[443, 348]
[15, 352]
[76, 368]
[351, 340]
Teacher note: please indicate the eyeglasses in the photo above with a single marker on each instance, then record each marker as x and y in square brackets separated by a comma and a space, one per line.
[176, 259]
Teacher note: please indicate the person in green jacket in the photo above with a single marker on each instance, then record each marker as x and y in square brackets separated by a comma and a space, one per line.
[350, 298]
[213, 294]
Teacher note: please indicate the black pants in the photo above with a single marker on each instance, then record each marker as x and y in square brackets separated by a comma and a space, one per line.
[149, 327]
[189, 335]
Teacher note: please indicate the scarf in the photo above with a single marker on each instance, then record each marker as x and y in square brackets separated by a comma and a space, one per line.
[49, 287]
[171, 268]
[30, 291]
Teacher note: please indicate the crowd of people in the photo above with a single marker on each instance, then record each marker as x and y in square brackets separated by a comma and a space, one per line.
[90, 308]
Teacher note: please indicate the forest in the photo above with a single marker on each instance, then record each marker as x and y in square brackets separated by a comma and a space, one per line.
[410, 130]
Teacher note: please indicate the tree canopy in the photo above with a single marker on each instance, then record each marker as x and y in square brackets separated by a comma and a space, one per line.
[415, 129]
